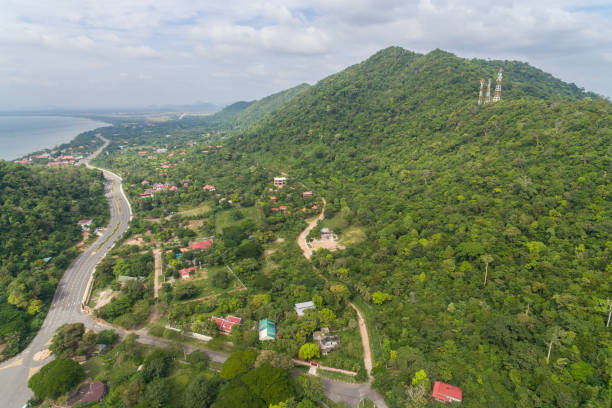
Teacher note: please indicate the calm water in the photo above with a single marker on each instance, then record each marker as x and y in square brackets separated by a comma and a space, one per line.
[20, 135]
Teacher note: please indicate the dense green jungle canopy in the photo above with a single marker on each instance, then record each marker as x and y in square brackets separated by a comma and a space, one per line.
[39, 211]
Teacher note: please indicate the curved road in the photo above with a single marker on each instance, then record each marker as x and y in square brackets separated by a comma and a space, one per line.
[338, 391]
[66, 304]
[301, 239]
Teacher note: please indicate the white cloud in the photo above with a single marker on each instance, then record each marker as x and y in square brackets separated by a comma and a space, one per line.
[141, 51]
[223, 51]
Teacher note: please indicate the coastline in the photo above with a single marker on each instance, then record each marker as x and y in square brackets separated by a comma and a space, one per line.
[21, 135]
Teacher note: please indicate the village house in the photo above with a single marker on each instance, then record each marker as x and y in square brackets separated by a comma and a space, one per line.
[209, 187]
[444, 392]
[144, 182]
[273, 199]
[85, 224]
[325, 341]
[198, 245]
[186, 273]
[280, 181]
[267, 330]
[306, 194]
[226, 325]
[300, 308]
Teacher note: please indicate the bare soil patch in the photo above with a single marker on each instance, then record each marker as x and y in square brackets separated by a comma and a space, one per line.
[85, 236]
[330, 244]
[105, 297]
[135, 240]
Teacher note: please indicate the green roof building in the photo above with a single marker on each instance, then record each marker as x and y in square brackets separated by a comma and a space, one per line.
[267, 330]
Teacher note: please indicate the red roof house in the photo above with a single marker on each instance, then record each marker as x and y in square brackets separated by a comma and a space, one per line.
[198, 245]
[201, 244]
[225, 325]
[186, 273]
[173, 188]
[283, 208]
[234, 319]
[273, 199]
[446, 393]
[208, 187]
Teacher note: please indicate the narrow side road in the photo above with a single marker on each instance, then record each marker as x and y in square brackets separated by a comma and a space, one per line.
[365, 342]
[337, 390]
[301, 239]
[158, 270]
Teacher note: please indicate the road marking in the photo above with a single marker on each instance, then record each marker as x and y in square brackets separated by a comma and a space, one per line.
[15, 363]
[33, 371]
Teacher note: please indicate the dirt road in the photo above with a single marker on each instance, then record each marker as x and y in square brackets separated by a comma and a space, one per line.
[158, 271]
[301, 239]
[365, 341]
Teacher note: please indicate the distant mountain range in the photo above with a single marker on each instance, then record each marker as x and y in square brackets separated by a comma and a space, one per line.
[196, 107]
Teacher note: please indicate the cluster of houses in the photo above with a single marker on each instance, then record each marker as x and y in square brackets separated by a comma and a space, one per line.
[55, 158]
[156, 188]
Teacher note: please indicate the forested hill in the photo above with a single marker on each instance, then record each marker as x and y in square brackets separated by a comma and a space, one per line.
[449, 191]
[39, 211]
[259, 109]
[240, 115]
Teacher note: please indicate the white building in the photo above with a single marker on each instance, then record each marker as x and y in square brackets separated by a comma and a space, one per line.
[300, 308]
[280, 181]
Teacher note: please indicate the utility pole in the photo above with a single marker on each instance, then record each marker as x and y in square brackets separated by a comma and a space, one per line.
[497, 95]
[480, 93]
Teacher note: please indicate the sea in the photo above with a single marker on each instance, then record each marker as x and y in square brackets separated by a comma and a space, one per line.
[21, 135]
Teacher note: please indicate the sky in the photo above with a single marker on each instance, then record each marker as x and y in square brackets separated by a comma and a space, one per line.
[134, 53]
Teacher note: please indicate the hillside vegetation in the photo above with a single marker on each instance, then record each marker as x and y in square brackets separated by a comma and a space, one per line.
[483, 257]
[448, 192]
[39, 210]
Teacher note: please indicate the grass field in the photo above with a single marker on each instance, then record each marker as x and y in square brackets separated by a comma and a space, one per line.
[191, 212]
[226, 218]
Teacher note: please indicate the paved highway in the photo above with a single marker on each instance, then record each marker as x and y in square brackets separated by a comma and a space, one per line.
[66, 305]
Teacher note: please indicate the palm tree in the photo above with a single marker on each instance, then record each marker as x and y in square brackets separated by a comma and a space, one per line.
[487, 259]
